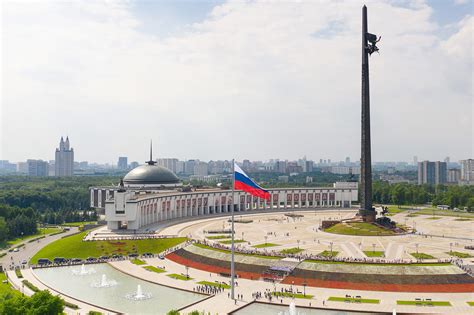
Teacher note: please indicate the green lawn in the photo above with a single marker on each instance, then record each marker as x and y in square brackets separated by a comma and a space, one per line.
[179, 277]
[41, 232]
[412, 215]
[353, 300]
[358, 228]
[433, 218]
[154, 269]
[264, 245]
[462, 219]
[328, 253]
[395, 209]
[424, 303]
[371, 253]
[74, 247]
[459, 254]
[228, 252]
[218, 237]
[77, 224]
[227, 242]
[214, 284]
[293, 250]
[137, 261]
[447, 213]
[422, 256]
[6, 290]
[470, 303]
[292, 295]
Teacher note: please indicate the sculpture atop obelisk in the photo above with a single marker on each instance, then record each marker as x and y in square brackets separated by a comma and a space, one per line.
[366, 211]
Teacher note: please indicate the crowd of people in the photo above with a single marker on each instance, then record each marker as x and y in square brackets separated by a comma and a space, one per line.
[210, 289]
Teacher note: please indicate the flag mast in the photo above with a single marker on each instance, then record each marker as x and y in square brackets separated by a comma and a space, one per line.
[232, 267]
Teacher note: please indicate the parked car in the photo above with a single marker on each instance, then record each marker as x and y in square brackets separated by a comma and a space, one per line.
[24, 262]
[59, 260]
[16, 249]
[76, 260]
[44, 261]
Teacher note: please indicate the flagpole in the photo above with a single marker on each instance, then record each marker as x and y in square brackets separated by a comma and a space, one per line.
[232, 267]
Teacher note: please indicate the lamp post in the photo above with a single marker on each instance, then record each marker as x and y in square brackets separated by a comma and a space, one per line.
[416, 245]
[298, 241]
[331, 248]
[304, 288]
[242, 236]
[373, 248]
[451, 249]
[187, 271]
[266, 237]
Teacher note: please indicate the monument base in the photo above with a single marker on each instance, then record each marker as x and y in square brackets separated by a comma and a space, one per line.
[367, 215]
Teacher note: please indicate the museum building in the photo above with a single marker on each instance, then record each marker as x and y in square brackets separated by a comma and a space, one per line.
[151, 194]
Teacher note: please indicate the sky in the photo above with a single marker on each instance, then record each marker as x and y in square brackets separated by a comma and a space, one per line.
[234, 79]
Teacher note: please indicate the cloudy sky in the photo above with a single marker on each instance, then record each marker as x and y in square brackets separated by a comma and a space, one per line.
[243, 79]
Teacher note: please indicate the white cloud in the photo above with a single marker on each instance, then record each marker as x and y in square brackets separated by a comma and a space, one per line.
[255, 80]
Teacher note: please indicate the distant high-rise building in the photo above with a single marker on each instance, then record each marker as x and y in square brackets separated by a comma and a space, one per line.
[467, 170]
[122, 163]
[201, 169]
[64, 159]
[189, 167]
[7, 167]
[168, 163]
[415, 160]
[454, 175]
[37, 168]
[446, 159]
[432, 173]
[22, 168]
[180, 167]
[348, 160]
[134, 164]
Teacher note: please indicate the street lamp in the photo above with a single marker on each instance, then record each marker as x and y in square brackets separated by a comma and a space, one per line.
[266, 237]
[298, 241]
[373, 248]
[304, 288]
[187, 271]
[331, 248]
[416, 245]
[451, 249]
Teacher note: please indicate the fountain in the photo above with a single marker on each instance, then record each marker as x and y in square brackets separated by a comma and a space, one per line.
[291, 310]
[139, 295]
[83, 271]
[104, 283]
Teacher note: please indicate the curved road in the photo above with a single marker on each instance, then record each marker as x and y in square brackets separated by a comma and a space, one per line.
[13, 259]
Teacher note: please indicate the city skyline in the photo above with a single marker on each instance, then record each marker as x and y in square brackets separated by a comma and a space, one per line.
[192, 80]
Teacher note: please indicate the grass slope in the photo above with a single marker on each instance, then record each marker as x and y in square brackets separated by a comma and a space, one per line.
[266, 245]
[422, 256]
[358, 228]
[228, 252]
[154, 269]
[370, 253]
[74, 247]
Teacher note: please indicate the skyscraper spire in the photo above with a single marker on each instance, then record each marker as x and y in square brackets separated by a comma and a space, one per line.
[151, 162]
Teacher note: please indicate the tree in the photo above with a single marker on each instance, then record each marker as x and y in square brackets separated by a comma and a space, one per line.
[3, 230]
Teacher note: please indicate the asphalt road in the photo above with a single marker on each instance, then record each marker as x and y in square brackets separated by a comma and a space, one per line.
[13, 259]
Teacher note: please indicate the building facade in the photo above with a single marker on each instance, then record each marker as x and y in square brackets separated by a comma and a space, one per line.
[432, 173]
[467, 171]
[64, 159]
[122, 163]
[37, 168]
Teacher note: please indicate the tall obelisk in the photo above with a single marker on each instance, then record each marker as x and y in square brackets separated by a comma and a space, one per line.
[366, 211]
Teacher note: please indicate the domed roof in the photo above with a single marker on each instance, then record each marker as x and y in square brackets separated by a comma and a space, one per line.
[150, 174]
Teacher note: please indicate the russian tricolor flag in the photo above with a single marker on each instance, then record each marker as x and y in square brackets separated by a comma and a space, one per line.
[243, 182]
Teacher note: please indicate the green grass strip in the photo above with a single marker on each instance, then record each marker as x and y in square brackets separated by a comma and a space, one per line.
[74, 247]
[370, 253]
[179, 277]
[459, 254]
[328, 253]
[422, 256]
[353, 300]
[424, 303]
[218, 237]
[154, 269]
[137, 261]
[265, 245]
[30, 286]
[470, 303]
[215, 284]
[293, 250]
[292, 295]
[18, 273]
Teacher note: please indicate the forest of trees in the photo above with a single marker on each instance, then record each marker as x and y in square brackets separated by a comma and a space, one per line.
[27, 201]
[409, 194]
